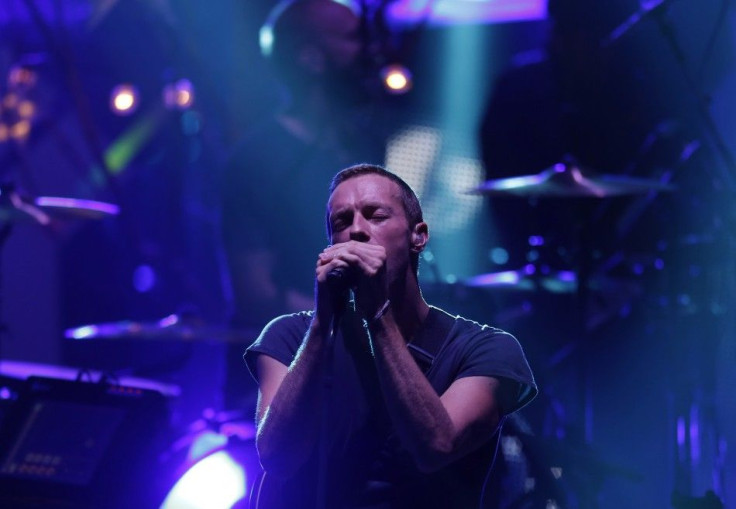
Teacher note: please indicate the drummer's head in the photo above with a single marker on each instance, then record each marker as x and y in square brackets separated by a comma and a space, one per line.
[311, 38]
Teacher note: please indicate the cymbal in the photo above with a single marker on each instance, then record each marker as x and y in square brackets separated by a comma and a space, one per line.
[41, 210]
[567, 180]
[170, 328]
[528, 278]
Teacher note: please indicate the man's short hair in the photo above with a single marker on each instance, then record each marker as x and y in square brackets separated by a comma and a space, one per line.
[409, 200]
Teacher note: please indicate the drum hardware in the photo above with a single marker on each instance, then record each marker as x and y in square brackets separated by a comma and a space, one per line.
[15, 207]
[21, 370]
[42, 210]
[174, 327]
[569, 180]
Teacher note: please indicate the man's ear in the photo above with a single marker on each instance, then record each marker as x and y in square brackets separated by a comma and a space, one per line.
[419, 237]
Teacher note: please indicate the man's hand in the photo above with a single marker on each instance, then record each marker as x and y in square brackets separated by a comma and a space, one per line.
[368, 264]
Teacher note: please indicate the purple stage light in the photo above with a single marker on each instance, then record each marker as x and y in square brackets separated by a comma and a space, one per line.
[448, 12]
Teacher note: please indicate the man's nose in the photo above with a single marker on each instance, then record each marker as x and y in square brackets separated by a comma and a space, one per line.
[359, 230]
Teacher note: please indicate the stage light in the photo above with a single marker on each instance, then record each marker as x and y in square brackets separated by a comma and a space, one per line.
[396, 79]
[26, 109]
[20, 130]
[124, 99]
[216, 470]
[215, 482]
[21, 76]
[179, 95]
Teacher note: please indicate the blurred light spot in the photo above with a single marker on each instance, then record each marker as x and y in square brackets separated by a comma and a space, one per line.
[83, 332]
[144, 278]
[556, 472]
[680, 431]
[26, 109]
[529, 484]
[397, 79]
[695, 434]
[659, 264]
[447, 12]
[5, 393]
[216, 482]
[119, 154]
[124, 99]
[179, 95]
[552, 504]
[4, 132]
[265, 39]
[205, 443]
[536, 240]
[22, 76]
[411, 154]
[20, 130]
[511, 447]
[499, 256]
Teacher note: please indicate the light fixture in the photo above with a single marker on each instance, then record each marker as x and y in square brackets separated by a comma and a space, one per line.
[396, 78]
[124, 99]
[217, 470]
[179, 95]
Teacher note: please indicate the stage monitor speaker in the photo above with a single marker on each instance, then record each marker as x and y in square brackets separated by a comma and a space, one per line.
[82, 445]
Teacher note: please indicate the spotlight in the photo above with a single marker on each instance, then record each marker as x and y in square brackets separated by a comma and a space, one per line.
[20, 130]
[396, 79]
[26, 109]
[179, 95]
[217, 468]
[124, 99]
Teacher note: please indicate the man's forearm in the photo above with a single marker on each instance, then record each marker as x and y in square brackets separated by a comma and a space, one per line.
[288, 429]
[421, 421]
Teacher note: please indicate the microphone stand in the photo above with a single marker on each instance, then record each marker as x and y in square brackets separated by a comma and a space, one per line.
[339, 305]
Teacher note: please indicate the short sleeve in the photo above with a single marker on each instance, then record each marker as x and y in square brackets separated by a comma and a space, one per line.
[493, 352]
[280, 339]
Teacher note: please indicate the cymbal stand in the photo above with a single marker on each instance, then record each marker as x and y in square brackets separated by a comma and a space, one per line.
[701, 101]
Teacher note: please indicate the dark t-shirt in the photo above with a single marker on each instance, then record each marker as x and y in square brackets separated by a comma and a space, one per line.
[367, 465]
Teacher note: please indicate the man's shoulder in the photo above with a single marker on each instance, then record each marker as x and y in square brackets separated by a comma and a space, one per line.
[463, 326]
[288, 322]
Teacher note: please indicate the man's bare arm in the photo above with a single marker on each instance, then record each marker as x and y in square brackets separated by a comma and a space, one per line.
[436, 430]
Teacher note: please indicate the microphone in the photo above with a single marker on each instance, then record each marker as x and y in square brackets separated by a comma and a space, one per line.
[341, 278]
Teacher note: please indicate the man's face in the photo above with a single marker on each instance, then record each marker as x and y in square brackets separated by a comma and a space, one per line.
[368, 208]
[338, 28]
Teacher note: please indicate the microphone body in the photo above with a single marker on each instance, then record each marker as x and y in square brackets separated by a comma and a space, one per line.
[341, 278]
